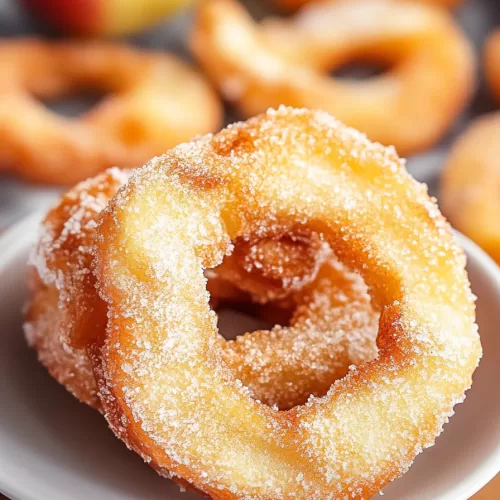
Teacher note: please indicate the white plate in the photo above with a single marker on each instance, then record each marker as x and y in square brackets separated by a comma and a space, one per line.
[52, 447]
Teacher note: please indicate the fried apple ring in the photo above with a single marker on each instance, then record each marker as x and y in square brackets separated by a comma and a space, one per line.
[492, 63]
[470, 184]
[296, 4]
[333, 326]
[156, 101]
[165, 387]
[288, 62]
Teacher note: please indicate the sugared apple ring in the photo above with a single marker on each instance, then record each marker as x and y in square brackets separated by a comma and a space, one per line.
[164, 385]
[470, 184]
[288, 62]
[333, 326]
[155, 102]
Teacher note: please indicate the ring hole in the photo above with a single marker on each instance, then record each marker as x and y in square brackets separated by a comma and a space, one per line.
[333, 323]
[74, 106]
[237, 319]
[255, 285]
[360, 70]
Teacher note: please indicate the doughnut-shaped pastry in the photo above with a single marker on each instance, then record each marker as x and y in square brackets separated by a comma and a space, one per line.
[155, 101]
[470, 184]
[492, 63]
[332, 327]
[164, 385]
[296, 4]
[289, 61]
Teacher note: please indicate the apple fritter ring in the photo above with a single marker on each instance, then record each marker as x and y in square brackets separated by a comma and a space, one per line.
[296, 4]
[155, 101]
[288, 61]
[470, 184]
[333, 324]
[492, 63]
[165, 387]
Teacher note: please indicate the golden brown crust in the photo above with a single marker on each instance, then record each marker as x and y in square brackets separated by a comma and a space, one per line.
[333, 327]
[64, 313]
[270, 269]
[155, 102]
[288, 61]
[164, 386]
[70, 366]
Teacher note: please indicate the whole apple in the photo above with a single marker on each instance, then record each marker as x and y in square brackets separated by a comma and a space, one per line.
[103, 17]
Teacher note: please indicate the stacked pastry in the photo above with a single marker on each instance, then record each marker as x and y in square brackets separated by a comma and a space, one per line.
[294, 215]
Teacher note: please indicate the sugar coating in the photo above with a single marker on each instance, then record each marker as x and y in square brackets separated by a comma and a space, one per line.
[269, 269]
[333, 327]
[59, 314]
[43, 330]
[334, 324]
[166, 388]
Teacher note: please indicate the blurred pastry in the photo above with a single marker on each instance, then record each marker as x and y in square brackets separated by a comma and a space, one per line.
[288, 61]
[155, 101]
[296, 4]
[492, 63]
[470, 184]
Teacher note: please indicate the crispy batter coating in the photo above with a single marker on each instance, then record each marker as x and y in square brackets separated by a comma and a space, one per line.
[165, 388]
[44, 329]
[333, 322]
[288, 61]
[63, 313]
[155, 101]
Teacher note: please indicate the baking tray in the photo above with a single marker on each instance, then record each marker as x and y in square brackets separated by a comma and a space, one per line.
[17, 198]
